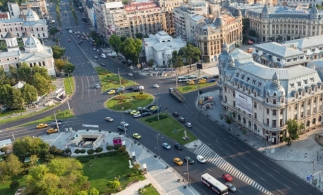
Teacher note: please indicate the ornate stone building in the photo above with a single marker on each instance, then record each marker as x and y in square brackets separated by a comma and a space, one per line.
[262, 99]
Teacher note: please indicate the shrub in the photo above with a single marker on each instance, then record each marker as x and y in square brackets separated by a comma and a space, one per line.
[77, 151]
[83, 151]
[109, 147]
[136, 166]
[121, 149]
[124, 81]
[119, 97]
[90, 151]
[124, 105]
[14, 184]
[116, 147]
[98, 149]
[68, 150]
[141, 96]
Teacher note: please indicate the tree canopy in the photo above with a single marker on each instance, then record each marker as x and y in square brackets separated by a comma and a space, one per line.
[11, 166]
[114, 42]
[131, 49]
[176, 60]
[59, 176]
[293, 130]
[27, 146]
[58, 52]
[190, 53]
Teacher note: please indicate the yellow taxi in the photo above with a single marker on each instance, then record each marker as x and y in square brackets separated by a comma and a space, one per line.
[41, 125]
[178, 161]
[52, 130]
[112, 91]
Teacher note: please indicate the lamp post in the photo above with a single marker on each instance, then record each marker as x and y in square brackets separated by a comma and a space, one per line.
[158, 145]
[157, 105]
[188, 175]
[57, 126]
[124, 127]
[119, 77]
[69, 81]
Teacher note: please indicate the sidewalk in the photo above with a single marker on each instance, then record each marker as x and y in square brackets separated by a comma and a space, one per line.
[297, 158]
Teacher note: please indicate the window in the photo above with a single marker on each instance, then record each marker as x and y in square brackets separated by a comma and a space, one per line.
[274, 101]
[234, 94]
[255, 115]
[274, 112]
[299, 83]
[234, 104]
[255, 104]
[267, 111]
[267, 121]
[281, 111]
[274, 123]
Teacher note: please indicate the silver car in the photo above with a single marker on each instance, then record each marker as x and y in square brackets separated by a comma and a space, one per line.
[231, 187]
[166, 146]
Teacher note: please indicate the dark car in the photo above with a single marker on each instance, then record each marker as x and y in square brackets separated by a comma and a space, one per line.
[102, 64]
[122, 128]
[135, 89]
[146, 114]
[178, 146]
[181, 119]
[130, 88]
[60, 121]
[189, 160]
[175, 114]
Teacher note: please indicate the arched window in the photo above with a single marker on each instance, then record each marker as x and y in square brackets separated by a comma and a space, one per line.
[314, 121]
[249, 123]
[308, 123]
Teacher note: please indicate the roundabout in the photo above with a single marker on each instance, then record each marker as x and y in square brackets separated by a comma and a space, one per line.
[129, 101]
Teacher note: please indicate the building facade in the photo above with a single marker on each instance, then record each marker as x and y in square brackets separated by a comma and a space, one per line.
[262, 99]
[33, 53]
[38, 6]
[159, 47]
[211, 35]
[18, 26]
[4, 15]
[284, 24]
[167, 7]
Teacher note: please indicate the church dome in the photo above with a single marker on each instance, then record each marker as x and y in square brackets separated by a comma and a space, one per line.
[33, 44]
[31, 16]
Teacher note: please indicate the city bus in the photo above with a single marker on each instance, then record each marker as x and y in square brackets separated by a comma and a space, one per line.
[214, 184]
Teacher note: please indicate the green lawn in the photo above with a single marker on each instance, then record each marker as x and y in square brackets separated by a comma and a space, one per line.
[110, 80]
[7, 120]
[149, 191]
[189, 88]
[61, 115]
[129, 102]
[69, 85]
[5, 186]
[105, 169]
[172, 128]
[10, 112]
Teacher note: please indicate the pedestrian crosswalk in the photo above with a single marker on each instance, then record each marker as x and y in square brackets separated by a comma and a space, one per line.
[218, 161]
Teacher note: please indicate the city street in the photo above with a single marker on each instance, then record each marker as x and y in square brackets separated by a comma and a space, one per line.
[88, 105]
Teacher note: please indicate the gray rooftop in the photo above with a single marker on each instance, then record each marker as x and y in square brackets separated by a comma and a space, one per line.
[305, 42]
[278, 49]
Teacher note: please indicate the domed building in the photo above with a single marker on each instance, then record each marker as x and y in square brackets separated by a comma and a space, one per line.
[263, 98]
[18, 26]
[33, 53]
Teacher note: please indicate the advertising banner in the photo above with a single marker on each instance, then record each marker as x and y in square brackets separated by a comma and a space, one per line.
[244, 102]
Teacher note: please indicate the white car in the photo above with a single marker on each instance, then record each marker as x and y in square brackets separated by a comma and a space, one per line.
[156, 86]
[124, 124]
[137, 115]
[130, 74]
[109, 119]
[189, 125]
[200, 158]
[96, 57]
[131, 67]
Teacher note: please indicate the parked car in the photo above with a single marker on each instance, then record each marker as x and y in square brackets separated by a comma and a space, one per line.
[111, 91]
[201, 159]
[175, 114]
[127, 111]
[178, 146]
[181, 119]
[189, 125]
[130, 74]
[102, 64]
[145, 114]
[166, 146]
[137, 115]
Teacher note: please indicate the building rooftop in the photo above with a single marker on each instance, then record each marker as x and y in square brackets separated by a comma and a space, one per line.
[305, 42]
[278, 49]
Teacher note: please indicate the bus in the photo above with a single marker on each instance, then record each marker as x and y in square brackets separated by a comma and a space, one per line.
[214, 184]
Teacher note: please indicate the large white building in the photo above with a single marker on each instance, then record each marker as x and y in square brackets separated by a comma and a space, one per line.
[262, 98]
[18, 26]
[33, 53]
[160, 47]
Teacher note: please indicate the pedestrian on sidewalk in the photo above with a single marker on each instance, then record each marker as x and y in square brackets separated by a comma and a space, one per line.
[90, 164]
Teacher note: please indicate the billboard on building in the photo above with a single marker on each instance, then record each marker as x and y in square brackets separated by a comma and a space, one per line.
[244, 102]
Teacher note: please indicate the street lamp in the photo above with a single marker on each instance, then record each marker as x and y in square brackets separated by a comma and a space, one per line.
[158, 145]
[157, 106]
[69, 81]
[124, 127]
[119, 77]
[188, 175]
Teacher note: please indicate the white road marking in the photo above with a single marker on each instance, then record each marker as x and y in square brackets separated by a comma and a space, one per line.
[262, 178]
[287, 186]
[255, 164]
[270, 174]
[247, 168]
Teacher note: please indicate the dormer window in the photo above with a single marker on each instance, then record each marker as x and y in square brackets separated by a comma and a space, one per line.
[253, 82]
[248, 79]
[275, 94]
[292, 85]
[242, 77]
[237, 74]
[299, 83]
[259, 84]
[305, 81]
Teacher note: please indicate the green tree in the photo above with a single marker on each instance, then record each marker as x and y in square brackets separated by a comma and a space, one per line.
[59, 64]
[42, 85]
[123, 38]
[131, 49]
[190, 53]
[94, 191]
[24, 72]
[33, 160]
[114, 42]
[82, 193]
[53, 30]
[29, 93]
[293, 130]
[4, 77]
[58, 52]
[69, 68]
[176, 60]
[42, 71]
[5, 94]
[16, 101]
[139, 35]
[27, 146]
[60, 176]
[150, 62]
[10, 167]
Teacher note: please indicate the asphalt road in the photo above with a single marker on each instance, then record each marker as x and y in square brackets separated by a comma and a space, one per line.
[87, 103]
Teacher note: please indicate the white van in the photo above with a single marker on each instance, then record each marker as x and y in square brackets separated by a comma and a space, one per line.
[70, 31]
[103, 56]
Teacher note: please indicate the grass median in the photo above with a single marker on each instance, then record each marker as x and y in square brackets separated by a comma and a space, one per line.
[170, 127]
[189, 88]
[69, 85]
[59, 115]
[110, 80]
[129, 101]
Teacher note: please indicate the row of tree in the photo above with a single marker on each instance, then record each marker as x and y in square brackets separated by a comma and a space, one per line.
[128, 47]
[38, 82]
[73, 12]
[58, 13]
[62, 65]
[188, 54]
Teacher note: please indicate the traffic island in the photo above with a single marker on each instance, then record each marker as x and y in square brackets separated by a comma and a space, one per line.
[170, 127]
[129, 101]
[190, 88]
[112, 81]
